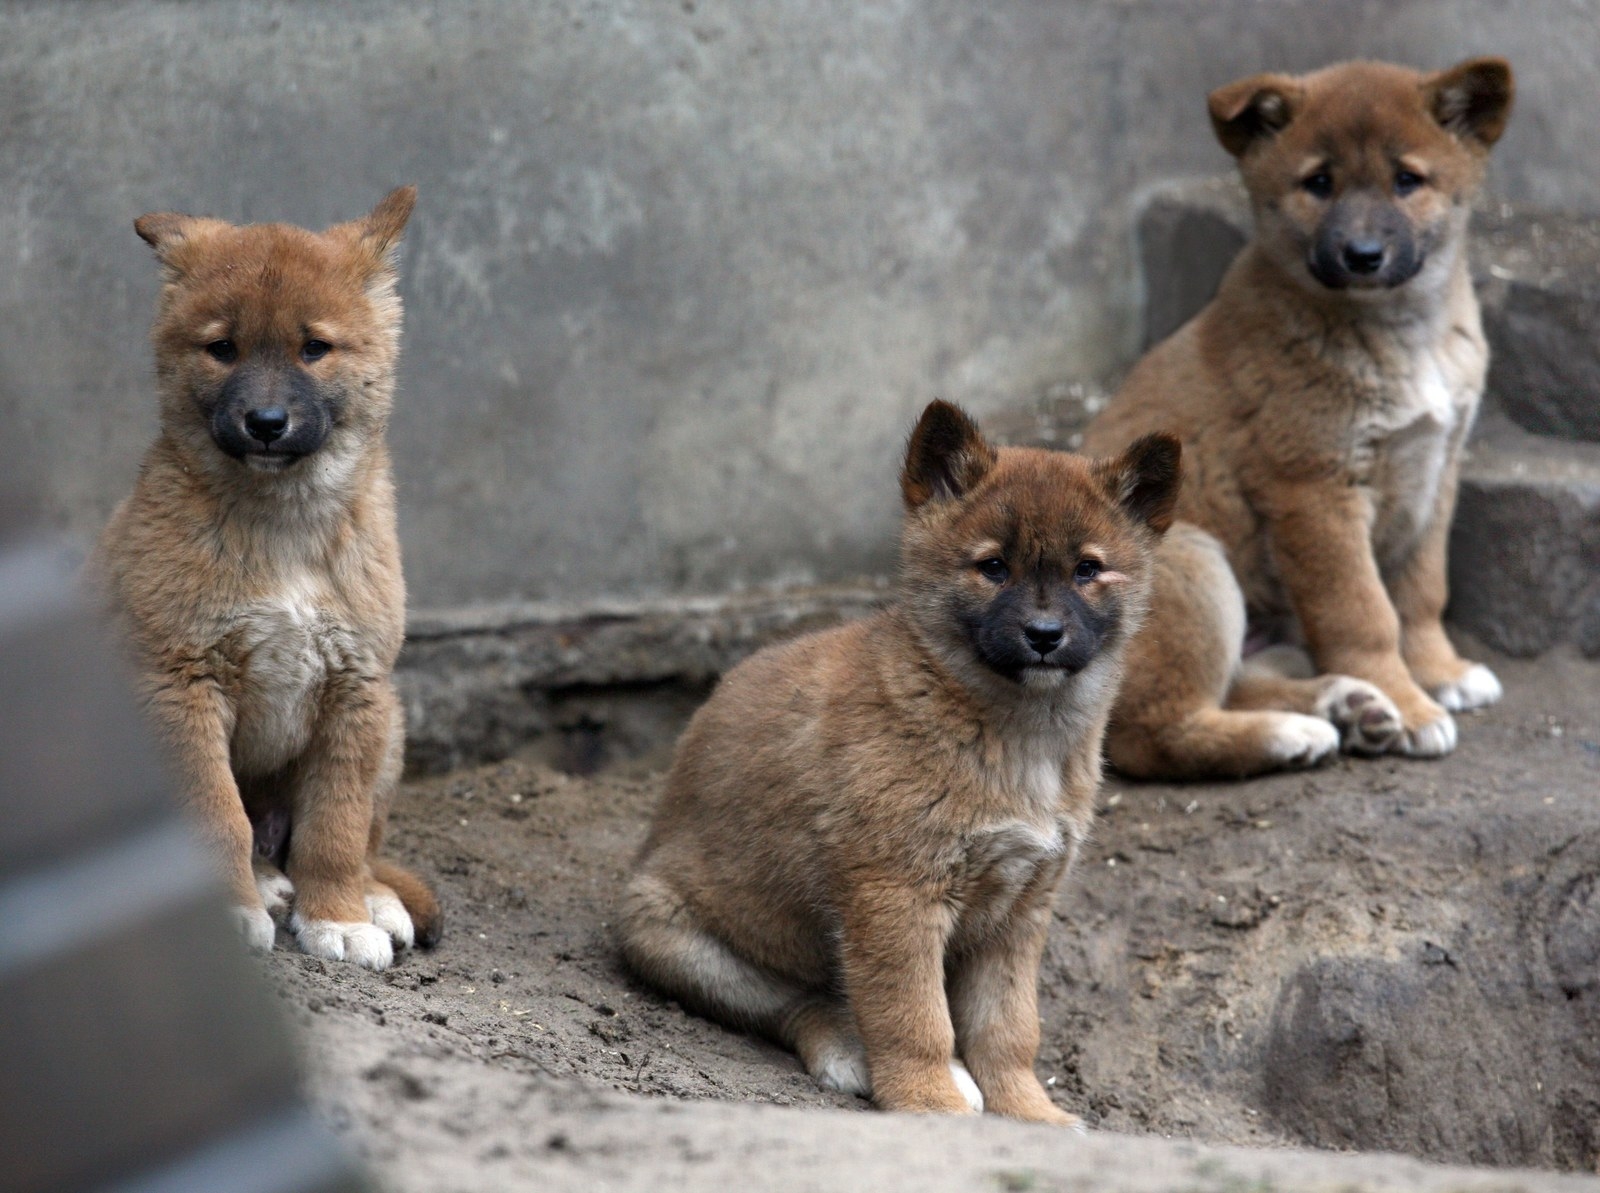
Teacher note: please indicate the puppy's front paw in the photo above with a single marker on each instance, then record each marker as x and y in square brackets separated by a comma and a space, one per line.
[276, 891]
[1478, 687]
[365, 944]
[968, 1087]
[1367, 720]
[1433, 740]
[390, 914]
[256, 926]
[1297, 741]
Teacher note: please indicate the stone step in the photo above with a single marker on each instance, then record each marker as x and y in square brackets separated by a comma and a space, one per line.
[1525, 547]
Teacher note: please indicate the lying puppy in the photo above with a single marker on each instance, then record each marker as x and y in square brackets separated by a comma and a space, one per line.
[255, 571]
[1322, 399]
[864, 829]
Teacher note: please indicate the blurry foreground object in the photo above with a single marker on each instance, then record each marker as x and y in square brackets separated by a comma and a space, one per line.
[140, 1050]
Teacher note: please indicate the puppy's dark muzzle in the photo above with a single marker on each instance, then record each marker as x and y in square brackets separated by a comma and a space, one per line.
[1364, 242]
[270, 411]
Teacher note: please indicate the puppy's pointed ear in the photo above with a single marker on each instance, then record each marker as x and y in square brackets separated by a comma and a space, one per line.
[379, 232]
[1144, 480]
[1472, 99]
[946, 457]
[168, 231]
[1244, 112]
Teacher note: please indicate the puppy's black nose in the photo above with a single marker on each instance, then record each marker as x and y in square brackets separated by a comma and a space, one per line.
[1363, 256]
[1044, 636]
[266, 424]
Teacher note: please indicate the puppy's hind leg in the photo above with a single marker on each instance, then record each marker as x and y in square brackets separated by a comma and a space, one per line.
[1367, 720]
[666, 947]
[1170, 721]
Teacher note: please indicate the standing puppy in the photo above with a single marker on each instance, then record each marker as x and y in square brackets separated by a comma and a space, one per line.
[864, 829]
[255, 571]
[1322, 399]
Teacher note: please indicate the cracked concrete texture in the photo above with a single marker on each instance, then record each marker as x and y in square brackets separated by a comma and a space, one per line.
[681, 274]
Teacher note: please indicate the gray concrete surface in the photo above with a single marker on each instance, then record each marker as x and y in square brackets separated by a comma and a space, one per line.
[681, 273]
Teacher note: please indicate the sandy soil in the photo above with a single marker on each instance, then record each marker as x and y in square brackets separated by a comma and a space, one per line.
[1377, 955]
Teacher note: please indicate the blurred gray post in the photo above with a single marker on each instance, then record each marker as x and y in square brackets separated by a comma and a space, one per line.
[139, 1050]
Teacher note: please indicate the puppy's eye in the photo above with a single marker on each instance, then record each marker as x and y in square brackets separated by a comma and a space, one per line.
[1406, 181]
[1318, 185]
[1087, 570]
[993, 569]
[315, 350]
[222, 351]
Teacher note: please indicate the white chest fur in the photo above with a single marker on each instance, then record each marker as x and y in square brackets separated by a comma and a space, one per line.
[1003, 861]
[1005, 857]
[288, 645]
[1409, 441]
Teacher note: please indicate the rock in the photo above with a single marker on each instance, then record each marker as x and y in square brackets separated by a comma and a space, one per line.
[1364, 1052]
[1538, 279]
[1188, 236]
[478, 683]
[1525, 545]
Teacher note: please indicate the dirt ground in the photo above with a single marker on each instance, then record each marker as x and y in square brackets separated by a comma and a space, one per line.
[1384, 954]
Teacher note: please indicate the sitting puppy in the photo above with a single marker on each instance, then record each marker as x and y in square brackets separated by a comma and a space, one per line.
[1322, 399]
[863, 832]
[255, 571]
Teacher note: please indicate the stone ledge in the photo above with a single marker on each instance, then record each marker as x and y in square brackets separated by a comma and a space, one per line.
[478, 683]
[1525, 547]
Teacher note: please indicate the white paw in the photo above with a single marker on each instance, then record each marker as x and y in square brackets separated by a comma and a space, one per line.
[844, 1071]
[256, 926]
[1298, 741]
[390, 914]
[1477, 688]
[364, 944]
[1433, 740]
[277, 892]
[1367, 720]
[968, 1087]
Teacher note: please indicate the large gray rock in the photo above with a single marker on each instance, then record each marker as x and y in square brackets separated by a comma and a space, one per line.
[1525, 546]
[1361, 1052]
[1539, 282]
[1188, 235]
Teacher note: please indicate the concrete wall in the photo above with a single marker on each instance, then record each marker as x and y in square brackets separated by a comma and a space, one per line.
[682, 272]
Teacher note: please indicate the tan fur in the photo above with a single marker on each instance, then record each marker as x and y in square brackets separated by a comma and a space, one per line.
[264, 608]
[864, 829]
[1322, 432]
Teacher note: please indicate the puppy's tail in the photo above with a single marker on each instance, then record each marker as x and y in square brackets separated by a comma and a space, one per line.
[427, 917]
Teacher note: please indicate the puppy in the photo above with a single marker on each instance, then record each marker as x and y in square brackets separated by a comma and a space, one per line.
[255, 573]
[1322, 399]
[862, 835]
